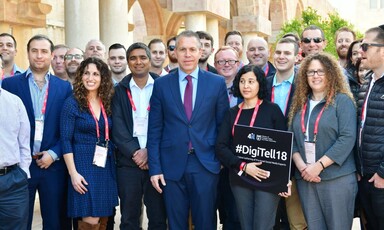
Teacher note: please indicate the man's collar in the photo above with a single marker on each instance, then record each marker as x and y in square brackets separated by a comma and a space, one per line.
[290, 79]
[194, 74]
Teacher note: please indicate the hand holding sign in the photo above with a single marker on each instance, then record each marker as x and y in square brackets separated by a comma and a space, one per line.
[256, 172]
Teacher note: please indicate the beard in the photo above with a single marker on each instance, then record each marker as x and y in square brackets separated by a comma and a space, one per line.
[203, 60]
[341, 54]
[172, 59]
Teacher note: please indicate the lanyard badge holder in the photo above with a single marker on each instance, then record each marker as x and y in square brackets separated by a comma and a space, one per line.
[310, 146]
[140, 124]
[39, 123]
[101, 150]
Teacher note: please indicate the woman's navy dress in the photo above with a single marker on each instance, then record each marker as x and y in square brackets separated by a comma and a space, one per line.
[78, 136]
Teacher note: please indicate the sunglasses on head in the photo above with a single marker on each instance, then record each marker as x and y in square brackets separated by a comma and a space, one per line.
[171, 48]
[364, 46]
[308, 40]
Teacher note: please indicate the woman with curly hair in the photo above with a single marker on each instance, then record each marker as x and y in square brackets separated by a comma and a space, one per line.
[323, 119]
[85, 133]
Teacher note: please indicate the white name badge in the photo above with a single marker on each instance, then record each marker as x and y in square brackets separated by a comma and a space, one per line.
[100, 156]
[310, 152]
[140, 126]
[39, 129]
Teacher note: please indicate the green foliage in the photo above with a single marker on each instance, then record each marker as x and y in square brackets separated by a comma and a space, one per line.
[329, 25]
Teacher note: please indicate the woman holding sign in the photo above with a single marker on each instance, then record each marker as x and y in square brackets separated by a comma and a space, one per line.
[323, 119]
[256, 208]
[85, 127]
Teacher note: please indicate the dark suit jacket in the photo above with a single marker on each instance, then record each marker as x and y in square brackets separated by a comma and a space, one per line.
[169, 130]
[58, 91]
[122, 132]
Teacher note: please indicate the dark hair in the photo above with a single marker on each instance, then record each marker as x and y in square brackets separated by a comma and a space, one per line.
[349, 63]
[233, 32]
[171, 39]
[138, 45]
[379, 33]
[292, 34]
[260, 77]
[116, 46]
[205, 35]
[290, 41]
[154, 41]
[11, 36]
[313, 27]
[188, 34]
[106, 85]
[40, 37]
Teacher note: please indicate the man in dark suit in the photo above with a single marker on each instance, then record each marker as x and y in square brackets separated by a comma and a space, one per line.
[187, 107]
[43, 95]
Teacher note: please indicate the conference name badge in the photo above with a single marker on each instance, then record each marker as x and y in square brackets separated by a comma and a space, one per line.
[100, 156]
[39, 129]
[310, 152]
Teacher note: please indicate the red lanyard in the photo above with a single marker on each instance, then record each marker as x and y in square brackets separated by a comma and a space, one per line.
[255, 110]
[303, 129]
[97, 123]
[266, 70]
[43, 109]
[133, 103]
[12, 73]
[286, 99]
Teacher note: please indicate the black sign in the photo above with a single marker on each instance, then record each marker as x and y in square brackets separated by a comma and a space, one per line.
[271, 147]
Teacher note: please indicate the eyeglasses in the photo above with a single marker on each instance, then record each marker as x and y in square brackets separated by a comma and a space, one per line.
[315, 40]
[319, 72]
[171, 48]
[71, 56]
[223, 62]
[364, 46]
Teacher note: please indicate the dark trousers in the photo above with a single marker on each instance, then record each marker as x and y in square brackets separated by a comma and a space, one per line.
[372, 201]
[14, 200]
[51, 184]
[195, 191]
[134, 185]
[226, 203]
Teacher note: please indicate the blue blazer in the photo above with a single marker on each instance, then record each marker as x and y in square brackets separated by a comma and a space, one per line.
[58, 91]
[169, 130]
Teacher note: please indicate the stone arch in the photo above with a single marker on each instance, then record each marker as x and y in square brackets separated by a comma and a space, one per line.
[153, 15]
[173, 25]
[299, 9]
[277, 13]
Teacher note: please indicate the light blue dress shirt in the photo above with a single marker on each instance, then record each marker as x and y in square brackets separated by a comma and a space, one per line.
[37, 97]
[282, 91]
[183, 83]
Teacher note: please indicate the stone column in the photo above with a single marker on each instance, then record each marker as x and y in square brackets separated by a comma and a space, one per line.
[81, 22]
[195, 21]
[251, 26]
[114, 22]
[213, 30]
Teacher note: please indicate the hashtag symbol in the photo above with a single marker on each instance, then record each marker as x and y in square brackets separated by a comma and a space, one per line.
[239, 148]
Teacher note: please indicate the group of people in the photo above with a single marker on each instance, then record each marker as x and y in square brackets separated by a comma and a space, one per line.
[164, 137]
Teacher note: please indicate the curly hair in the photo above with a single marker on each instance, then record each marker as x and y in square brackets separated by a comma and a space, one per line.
[105, 90]
[336, 82]
[260, 78]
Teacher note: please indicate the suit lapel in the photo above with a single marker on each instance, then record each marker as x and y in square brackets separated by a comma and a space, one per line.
[175, 91]
[200, 93]
[25, 95]
[52, 91]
